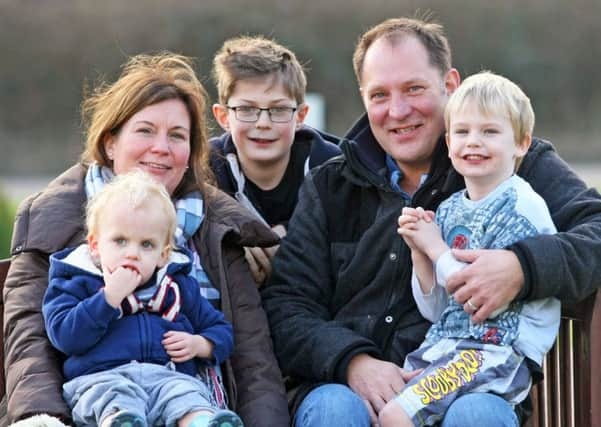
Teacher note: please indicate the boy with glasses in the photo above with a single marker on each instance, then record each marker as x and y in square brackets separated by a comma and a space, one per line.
[265, 152]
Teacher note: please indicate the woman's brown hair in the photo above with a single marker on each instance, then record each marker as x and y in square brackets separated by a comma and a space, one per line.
[146, 80]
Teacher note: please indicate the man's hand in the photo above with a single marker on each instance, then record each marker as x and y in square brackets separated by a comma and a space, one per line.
[120, 283]
[492, 280]
[182, 346]
[376, 382]
[259, 259]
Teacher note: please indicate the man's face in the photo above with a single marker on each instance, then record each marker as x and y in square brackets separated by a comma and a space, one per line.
[404, 96]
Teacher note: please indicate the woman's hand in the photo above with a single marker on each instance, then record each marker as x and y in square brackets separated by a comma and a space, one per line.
[182, 346]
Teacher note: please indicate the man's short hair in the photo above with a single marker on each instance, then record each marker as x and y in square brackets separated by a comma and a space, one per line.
[494, 95]
[245, 57]
[430, 34]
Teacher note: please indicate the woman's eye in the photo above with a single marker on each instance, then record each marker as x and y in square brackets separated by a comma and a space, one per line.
[178, 136]
[144, 130]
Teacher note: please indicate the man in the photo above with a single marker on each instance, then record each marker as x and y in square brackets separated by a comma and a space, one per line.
[339, 302]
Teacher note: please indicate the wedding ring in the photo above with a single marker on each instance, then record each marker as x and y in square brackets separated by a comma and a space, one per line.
[471, 305]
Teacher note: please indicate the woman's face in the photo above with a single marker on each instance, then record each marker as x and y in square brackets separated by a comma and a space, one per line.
[157, 140]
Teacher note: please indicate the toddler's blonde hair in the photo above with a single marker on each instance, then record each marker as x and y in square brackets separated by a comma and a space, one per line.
[135, 188]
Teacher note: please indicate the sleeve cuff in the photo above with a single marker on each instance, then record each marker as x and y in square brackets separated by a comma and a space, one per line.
[342, 366]
[446, 265]
[526, 291]
[418, 289]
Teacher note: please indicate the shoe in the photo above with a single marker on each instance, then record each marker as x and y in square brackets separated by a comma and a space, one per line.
[225, 419]
[127, 419]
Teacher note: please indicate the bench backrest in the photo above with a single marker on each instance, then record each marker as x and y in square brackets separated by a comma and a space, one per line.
[570, 395]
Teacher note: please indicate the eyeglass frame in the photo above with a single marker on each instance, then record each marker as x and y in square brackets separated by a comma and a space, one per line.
[259, 110]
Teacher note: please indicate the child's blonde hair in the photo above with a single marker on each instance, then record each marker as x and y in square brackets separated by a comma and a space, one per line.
[494, 95]
[247, 57]
[136, 188]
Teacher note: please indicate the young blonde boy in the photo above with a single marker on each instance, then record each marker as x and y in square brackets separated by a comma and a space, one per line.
[130, 319]
[262, 157]
[489, 123]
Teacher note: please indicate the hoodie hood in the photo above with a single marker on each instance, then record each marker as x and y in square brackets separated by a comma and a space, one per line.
[363, 152]
[323, 146]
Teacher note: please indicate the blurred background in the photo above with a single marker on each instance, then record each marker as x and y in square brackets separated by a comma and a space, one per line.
[50, 51]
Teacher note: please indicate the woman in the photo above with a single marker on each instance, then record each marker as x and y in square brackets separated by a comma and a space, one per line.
[151, 118]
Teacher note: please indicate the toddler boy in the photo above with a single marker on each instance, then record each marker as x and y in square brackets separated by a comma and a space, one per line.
[130, 319]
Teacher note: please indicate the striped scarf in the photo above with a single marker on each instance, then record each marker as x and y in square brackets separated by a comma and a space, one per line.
[190, 213]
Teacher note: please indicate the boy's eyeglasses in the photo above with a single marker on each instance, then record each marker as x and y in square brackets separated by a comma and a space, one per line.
[252, 114]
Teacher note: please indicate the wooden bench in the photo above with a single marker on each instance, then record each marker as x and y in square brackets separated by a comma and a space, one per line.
[570, 395]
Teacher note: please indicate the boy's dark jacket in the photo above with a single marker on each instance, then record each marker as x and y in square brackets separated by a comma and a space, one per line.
[323, 147]
[96, 336]
[341, 277]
